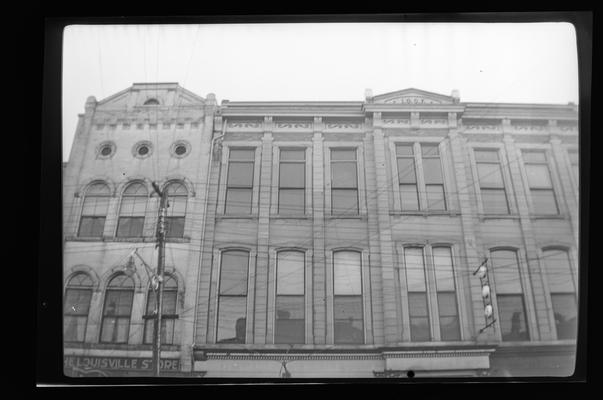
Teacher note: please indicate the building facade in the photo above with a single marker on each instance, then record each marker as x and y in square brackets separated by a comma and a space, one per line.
[324, 239]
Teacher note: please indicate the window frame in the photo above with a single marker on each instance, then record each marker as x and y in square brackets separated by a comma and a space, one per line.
[143, 217]
[148, 319]
[86, 196]
[222, 189]
[305, 275]
[481, 188]
[552, 174]
[279, 162]
[360, 186]
[363, 297]
[168, 217]
[103, 311]
[86, 317]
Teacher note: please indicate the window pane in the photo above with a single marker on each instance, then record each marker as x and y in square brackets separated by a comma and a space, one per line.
[494, 201]
[167, 331]
[442, 261]
[95, 206]
[506, 271]
[347, 273]
[558, 271]
[242, 154]
[447, 304]
[290, 322]
[432, 169]
[512, 318]
[566, 315]
[130, 226]
[419, 329]
[450, 328]
[177, 206]
[344, 175]
[136, 189]
[174, 227]
[341, 154]
[240, 174]
[417, 304]
[287, 155]
[122, 280]
[534, 156]
[91, 226]
[77, 301]
[133, 206]
[538, 176]
[409, 197]
[406, 170]
[404, 150]
[344, 201]
[544, 201]
[233, 273]
[415, 273]
[80, 279]
[347, 315]
[238, 201]
[290, 272]
[490, 175]
[430, 150]
[292, 175]
[169, 302]
[291, 201]
[435, 197]
[115, 330]
[98, 188]
[231, 319]
[486, 155]
[74, 328]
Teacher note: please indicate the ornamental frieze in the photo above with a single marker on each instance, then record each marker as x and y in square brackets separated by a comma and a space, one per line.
[412, 100]
[293, 125]
[344, 125]
[396, 121]
[526, 127]
[245, 124]
[434, 121]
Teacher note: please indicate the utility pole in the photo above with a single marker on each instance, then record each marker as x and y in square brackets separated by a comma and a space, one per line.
[158, 286]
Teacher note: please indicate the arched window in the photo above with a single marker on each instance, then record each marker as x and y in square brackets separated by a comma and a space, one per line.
[117, 310]
[290, 304]
[168, 311]
[347, 299]
[176, 212]
[94, 210]
[132, 211]
[509, 295]
[563, 292]
[75, 307]
[151, 102]
[232, 302]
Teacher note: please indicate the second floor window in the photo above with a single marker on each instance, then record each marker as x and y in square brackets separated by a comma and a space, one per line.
[232, 301]
[176, 212]
[132, 211]
[418, 306]
[539, 182]
[347, 297]
[168, 312]
[563, 292]
[344, 181]
[290, 305]
[434, 180]
[94, 210]
[117, 310]
[75, 307]
[292, 181]
[509, 295]
[491, 183]
[239, 183]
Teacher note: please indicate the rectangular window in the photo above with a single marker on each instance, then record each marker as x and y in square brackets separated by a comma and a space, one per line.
[239, 183]
[344, 182]
[539, 182]
[94, 212]
[292, 182]
[563, 292]
[131, 219]
[509, 296]
[434, 181]
[417, 294]
[116, 319]
[75, 314]
[290, 282]
[232, 302]
[168, 317]
[446, 294]
[347, 298]
[407, 177]
[174, 220]
[492, 187]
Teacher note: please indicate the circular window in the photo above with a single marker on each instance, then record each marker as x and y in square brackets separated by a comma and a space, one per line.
[105, 150]
[180, 149]
[142, 149]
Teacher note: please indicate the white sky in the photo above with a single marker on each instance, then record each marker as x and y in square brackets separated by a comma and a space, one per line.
[505, 62]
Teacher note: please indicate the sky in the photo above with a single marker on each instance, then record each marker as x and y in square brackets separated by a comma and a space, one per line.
[486, 62]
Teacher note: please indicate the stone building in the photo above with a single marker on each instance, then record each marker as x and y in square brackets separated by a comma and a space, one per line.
[324, 239]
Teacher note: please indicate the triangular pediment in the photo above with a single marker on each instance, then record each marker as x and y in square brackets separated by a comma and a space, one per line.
[162, 94]
[413, 96]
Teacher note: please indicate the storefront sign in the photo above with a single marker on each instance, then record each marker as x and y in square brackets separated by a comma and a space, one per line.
[109, 366]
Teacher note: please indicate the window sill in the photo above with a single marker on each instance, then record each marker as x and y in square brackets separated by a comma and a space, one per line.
[236, 216]
[184, 239]
[290, 216]
[346, 216]
[498, 216]
[146, 239]
[424, 213]
[547, 216]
